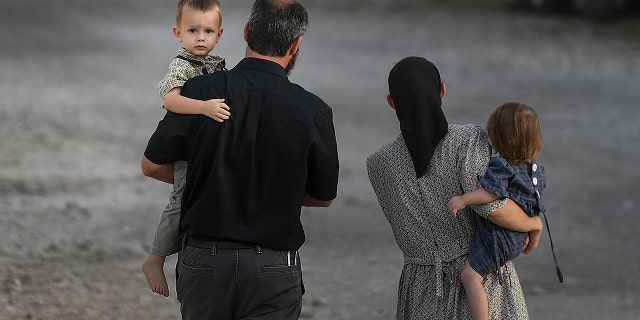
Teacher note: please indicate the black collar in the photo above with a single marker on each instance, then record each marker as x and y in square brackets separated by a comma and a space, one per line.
[262, 65]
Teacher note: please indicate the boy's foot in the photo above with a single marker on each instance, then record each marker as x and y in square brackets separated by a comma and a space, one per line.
[155, 277]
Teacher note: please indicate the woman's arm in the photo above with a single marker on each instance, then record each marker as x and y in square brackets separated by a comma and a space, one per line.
[512, 217]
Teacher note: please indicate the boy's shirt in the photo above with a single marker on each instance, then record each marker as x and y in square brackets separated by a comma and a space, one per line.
[182, 69]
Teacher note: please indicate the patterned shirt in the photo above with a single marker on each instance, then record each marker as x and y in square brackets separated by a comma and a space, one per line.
[181, 70]
[433, 242]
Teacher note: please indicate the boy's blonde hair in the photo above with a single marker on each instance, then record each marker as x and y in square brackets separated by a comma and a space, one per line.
[514, 131]
[202, 5]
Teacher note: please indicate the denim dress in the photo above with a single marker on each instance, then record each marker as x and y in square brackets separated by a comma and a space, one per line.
[492, 246]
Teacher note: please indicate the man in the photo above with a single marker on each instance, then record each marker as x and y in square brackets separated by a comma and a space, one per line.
[249, 176]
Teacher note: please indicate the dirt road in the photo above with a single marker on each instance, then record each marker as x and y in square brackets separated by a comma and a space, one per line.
[79, 103]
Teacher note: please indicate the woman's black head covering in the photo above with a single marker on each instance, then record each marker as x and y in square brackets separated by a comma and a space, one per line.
[414, 86]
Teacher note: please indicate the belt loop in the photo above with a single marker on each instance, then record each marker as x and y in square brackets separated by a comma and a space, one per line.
[213, 248]
[258, 249]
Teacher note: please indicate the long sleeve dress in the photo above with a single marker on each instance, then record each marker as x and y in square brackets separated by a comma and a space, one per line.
[434, 243]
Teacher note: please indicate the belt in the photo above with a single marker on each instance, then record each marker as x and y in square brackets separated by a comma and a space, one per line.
[292, 256]
[208, 244]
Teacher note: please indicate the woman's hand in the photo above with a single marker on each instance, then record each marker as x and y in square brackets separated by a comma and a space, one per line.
[532, 241]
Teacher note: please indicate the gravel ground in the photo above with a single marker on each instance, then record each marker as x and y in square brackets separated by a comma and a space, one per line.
[79, 103]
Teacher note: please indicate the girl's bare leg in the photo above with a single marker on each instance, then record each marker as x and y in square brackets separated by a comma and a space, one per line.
[478, 302]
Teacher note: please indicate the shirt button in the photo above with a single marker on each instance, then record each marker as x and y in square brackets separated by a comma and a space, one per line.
[534, 167]
[535, 181]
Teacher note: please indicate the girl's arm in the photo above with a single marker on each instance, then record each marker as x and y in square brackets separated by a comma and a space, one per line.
[503, 212]
[215, 109]
[475, 197]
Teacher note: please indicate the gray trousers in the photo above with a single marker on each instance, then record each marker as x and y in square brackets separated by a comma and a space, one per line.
[232, 281]
[168, 238]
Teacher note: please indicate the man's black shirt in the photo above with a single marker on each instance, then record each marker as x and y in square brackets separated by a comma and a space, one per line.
[247, 176]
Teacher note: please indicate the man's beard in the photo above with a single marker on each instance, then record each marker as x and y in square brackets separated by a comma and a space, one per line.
[292, 63]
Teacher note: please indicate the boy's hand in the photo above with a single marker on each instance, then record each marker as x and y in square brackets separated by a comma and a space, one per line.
[456, 204]
[216, 109]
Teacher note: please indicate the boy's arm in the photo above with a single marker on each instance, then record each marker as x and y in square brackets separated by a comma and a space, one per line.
[475, 197]
[214, 108]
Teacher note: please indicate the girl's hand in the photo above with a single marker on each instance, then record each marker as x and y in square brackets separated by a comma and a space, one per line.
[456, 204]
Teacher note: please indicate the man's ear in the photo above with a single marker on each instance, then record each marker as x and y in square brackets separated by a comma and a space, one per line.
[390, 102]
[294, 47]
[246, 31]
[443, 91]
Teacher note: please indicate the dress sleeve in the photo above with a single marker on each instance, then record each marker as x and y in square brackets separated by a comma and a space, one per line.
[496, 179]
[474, 159]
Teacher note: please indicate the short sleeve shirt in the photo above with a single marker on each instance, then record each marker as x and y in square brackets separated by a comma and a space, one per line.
[181, 70]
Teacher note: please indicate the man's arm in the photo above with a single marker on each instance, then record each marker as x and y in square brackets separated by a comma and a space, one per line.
[162, 172]
[322, 163]
[309, 201]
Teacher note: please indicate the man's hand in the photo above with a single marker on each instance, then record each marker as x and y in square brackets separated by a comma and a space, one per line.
[309, 201]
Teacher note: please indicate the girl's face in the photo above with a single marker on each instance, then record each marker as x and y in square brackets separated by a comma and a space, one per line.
[198, 31]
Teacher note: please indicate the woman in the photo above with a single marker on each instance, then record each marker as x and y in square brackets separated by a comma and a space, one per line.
[414, 176]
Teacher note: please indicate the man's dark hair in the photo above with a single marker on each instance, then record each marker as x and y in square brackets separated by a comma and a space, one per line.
[274, 25]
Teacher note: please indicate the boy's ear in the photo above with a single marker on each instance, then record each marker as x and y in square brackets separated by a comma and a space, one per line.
[219, 34]
[176, 33]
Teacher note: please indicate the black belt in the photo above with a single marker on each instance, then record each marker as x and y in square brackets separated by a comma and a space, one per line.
[292, 256]
[208, 244]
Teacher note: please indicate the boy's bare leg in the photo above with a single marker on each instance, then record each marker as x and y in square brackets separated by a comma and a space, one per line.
[477, 297]
[153, 268]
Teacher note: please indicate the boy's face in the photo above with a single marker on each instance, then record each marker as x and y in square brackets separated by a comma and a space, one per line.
[198, 31]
